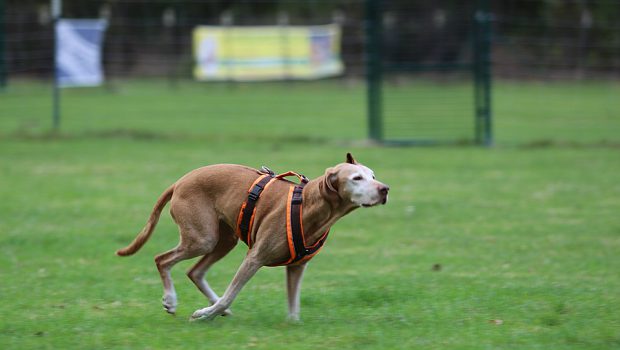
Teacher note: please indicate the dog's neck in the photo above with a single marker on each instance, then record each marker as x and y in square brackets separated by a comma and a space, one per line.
[322, 208]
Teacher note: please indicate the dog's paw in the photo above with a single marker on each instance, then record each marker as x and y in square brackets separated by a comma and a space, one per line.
[208, 314]
[205, 314]
[293, 318]
[169, 303]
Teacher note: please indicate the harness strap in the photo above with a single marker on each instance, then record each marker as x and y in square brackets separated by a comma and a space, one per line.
[295, 229]
[299, 252]
[248, 208]
[303, 180]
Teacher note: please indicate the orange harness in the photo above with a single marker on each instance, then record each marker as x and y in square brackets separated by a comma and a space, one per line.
[299, 252]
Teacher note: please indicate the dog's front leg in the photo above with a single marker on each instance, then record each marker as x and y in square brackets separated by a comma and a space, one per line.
[294, 275]
[248, 268]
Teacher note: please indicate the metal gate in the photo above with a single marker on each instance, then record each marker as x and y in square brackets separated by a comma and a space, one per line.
[428, 71]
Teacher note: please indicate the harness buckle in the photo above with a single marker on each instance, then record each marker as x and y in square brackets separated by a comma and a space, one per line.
[297, 197]
[255, 192]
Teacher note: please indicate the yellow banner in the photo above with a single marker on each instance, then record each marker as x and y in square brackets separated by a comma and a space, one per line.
[266, 52]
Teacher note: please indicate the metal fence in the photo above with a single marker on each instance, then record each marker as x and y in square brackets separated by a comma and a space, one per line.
[443, 56]
[439, 55]
[427, 66]
[153, 38]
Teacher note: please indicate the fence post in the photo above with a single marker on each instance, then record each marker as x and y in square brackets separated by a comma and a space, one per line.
[373, 51]
[3, 67]
[482, 73]
[56, 11]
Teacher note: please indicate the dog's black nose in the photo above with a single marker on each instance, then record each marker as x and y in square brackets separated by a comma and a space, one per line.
[384, 189]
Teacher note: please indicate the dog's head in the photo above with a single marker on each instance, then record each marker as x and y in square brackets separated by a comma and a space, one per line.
[356, 183]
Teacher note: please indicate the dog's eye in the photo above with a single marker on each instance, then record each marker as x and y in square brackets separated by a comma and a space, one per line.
[358, 178]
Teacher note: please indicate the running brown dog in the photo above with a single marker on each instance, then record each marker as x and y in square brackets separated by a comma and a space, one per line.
[206, 203]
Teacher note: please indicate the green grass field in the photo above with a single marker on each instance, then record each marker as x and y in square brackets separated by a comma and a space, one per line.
[513, 247]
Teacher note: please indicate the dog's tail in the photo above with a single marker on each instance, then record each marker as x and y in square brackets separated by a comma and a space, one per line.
[148, 229]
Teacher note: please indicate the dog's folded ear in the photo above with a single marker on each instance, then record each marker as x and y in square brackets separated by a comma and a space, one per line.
[350, 159]
[331, 179]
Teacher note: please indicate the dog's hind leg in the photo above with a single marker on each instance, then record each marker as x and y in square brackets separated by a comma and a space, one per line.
[227, 242]
[199, 235]
[164, 263]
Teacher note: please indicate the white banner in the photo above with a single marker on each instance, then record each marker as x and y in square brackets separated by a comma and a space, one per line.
[78, 52]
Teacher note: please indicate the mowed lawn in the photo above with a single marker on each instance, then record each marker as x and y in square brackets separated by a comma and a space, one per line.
[515, 247]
